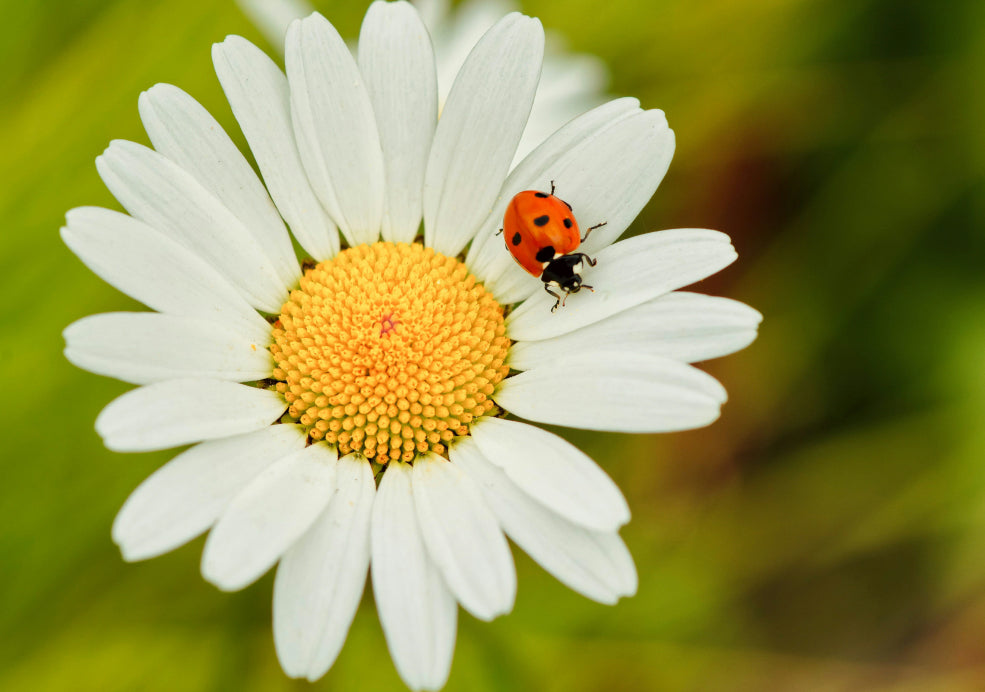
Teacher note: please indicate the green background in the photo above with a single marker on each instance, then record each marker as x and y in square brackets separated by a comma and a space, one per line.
[828, 533]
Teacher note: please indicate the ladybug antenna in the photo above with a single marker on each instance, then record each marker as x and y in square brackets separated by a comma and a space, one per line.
[552, 187]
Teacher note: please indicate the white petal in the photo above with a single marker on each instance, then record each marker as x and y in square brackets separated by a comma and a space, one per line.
[181, 129]
[608, 177]
[335, 128]
[177, 412]
[150, 267]
[184, 497]
[258, 94]
[479, 129]
[272, 17]
[417, 611]
[320, 579]
[614, 391]
[628, 273]
[160, 193]
[485, 254]
[397, 62]
[689, 327]
[268, 516]
[595, 564]
[554, 472]
[143, 347]
[463, 538]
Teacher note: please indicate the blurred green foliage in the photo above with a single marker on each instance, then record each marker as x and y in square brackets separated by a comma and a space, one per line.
[828, 533]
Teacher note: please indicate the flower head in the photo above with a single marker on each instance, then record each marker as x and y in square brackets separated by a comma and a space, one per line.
[349, 411]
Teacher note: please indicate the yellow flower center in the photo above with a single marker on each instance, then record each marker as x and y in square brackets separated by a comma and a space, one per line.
[389, 350]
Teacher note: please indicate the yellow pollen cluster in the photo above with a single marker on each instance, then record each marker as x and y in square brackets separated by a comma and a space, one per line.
[389, 350]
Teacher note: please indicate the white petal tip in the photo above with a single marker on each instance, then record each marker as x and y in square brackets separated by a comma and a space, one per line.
[532, 25]
[126, 554]
[628, 589]
[130, 549]
[110, 439]
[489, 616]
[227, 577]
[116, 145]
[312, 18]
[659, 113]
[611, 523]
[151, 91]
[75, 215]
[230, 42]
[227, 583]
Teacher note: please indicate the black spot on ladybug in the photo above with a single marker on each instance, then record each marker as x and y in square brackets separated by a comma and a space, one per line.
[567, 205]
[567, 223]
[542, 220]
[541, 194]
[545, 254]
[516, 238]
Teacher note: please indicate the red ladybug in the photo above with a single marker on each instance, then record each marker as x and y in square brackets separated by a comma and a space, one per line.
[542, 235]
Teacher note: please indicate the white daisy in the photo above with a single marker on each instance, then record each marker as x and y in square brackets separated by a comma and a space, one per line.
[370, 431]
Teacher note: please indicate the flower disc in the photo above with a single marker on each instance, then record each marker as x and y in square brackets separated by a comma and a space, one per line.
[389, 350]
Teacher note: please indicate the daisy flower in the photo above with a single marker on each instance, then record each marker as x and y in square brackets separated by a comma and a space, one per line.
[348, 412]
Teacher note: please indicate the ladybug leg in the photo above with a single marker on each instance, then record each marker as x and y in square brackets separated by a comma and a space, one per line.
[552, 187]
[591, 262]
[598, 225]
[557, 298]
[499, 232]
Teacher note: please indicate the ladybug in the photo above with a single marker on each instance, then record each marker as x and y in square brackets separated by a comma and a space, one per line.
[542, 235]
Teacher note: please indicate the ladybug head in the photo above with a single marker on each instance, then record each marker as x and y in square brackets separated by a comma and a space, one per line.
[572, 284]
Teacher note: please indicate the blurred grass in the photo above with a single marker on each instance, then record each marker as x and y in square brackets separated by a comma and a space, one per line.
[826, 533]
